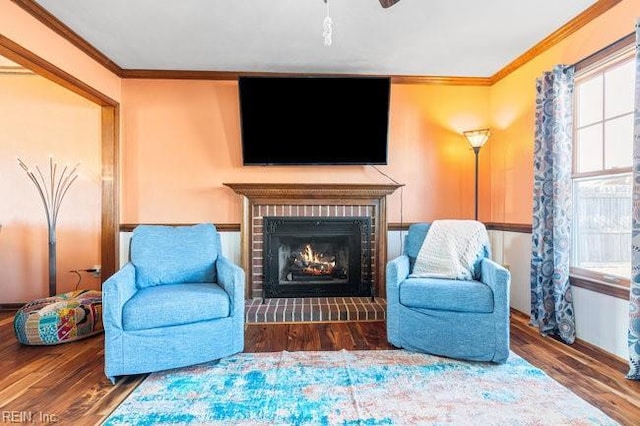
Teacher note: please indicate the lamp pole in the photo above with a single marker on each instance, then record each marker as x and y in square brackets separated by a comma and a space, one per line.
[476, 151]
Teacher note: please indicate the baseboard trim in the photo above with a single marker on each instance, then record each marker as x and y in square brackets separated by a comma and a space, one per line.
[11, 306]
[584, 346]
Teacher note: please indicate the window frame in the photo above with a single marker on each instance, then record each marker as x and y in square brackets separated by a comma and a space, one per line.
[580, 277]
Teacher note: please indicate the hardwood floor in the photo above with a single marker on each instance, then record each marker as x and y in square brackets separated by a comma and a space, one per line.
[65, 384]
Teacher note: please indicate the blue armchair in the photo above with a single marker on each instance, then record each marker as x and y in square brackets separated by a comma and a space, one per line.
[462, 319]
[178, 302]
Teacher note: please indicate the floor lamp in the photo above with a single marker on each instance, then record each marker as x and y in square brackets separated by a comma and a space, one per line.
[477, 138]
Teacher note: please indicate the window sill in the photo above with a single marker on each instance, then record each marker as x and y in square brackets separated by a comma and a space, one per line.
[619, 291]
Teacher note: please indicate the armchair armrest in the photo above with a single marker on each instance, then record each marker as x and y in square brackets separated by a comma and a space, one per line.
[116, 290]
[397, 270]
[231, 278]
[498, 278]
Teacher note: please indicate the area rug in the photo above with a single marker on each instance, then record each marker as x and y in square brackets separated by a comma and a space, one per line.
[381, 387]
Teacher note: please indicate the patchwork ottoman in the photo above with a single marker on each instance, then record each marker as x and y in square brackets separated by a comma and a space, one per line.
[59, 319]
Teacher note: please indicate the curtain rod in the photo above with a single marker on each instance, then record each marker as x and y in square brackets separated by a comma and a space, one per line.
[621, 43]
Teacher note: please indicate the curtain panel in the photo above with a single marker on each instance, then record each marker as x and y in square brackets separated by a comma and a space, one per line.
[551, 298]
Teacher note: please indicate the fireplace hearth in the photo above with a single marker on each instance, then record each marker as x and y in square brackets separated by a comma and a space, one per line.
[313, 257]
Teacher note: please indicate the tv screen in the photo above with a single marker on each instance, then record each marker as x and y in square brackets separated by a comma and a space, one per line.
[314, 120]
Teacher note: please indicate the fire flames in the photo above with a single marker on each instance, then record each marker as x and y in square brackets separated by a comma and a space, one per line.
[316, 263]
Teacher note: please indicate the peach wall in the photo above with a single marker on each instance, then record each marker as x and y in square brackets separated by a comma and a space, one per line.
[182, 142]
[428, 152]
[512, 102]
[37, 119]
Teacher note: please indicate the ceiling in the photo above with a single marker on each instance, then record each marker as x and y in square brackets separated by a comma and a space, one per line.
[455, 38]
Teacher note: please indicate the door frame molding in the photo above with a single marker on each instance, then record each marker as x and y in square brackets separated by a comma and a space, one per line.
[109, 137]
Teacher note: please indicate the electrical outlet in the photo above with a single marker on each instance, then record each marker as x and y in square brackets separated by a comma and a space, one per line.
[96, 269]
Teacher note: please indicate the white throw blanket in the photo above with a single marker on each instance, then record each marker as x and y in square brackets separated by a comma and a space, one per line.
[450, 249]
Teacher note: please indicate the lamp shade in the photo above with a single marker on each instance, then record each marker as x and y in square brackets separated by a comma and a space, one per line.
[477, 138]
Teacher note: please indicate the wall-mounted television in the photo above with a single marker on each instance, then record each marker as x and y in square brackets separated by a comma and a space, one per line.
[314, 120]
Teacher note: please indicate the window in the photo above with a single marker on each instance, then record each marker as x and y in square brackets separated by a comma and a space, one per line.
[601, 181]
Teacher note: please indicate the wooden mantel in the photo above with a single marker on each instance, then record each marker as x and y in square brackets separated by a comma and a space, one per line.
[313, 190]
[320, 194]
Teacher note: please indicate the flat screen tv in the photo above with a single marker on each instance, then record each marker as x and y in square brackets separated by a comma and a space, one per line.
[314, 120]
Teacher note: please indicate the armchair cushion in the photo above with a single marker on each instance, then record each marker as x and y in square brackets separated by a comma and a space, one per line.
[176, 304]
[446, 295]
[174, 254]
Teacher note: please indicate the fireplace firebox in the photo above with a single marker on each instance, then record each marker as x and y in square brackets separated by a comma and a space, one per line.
[313, 256]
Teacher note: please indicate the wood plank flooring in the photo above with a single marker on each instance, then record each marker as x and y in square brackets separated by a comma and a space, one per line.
[65, 384]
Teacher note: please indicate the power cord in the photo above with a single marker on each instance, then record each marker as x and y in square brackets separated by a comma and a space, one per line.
[401, 236]
[77, 272]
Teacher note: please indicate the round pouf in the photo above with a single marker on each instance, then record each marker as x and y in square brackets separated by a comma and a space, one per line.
[59, 319]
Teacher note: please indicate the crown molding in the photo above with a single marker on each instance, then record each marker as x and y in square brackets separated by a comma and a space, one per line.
[591, 13]
[179, 74]
[37, 11]
[441, 80]
[54, 24]
[233, 75]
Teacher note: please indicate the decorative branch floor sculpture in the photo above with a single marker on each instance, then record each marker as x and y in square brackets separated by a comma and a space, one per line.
[52, 192]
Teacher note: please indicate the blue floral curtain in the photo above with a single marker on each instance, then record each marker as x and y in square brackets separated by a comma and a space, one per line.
[551, 300]
[634, 291]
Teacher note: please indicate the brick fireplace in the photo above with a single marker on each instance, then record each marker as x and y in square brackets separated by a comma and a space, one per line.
[268, 200]
[316, 256]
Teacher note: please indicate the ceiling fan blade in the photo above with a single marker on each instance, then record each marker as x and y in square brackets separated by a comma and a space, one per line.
[388, 3]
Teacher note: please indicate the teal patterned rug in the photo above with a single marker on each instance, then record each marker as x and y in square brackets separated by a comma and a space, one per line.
[385, 387]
